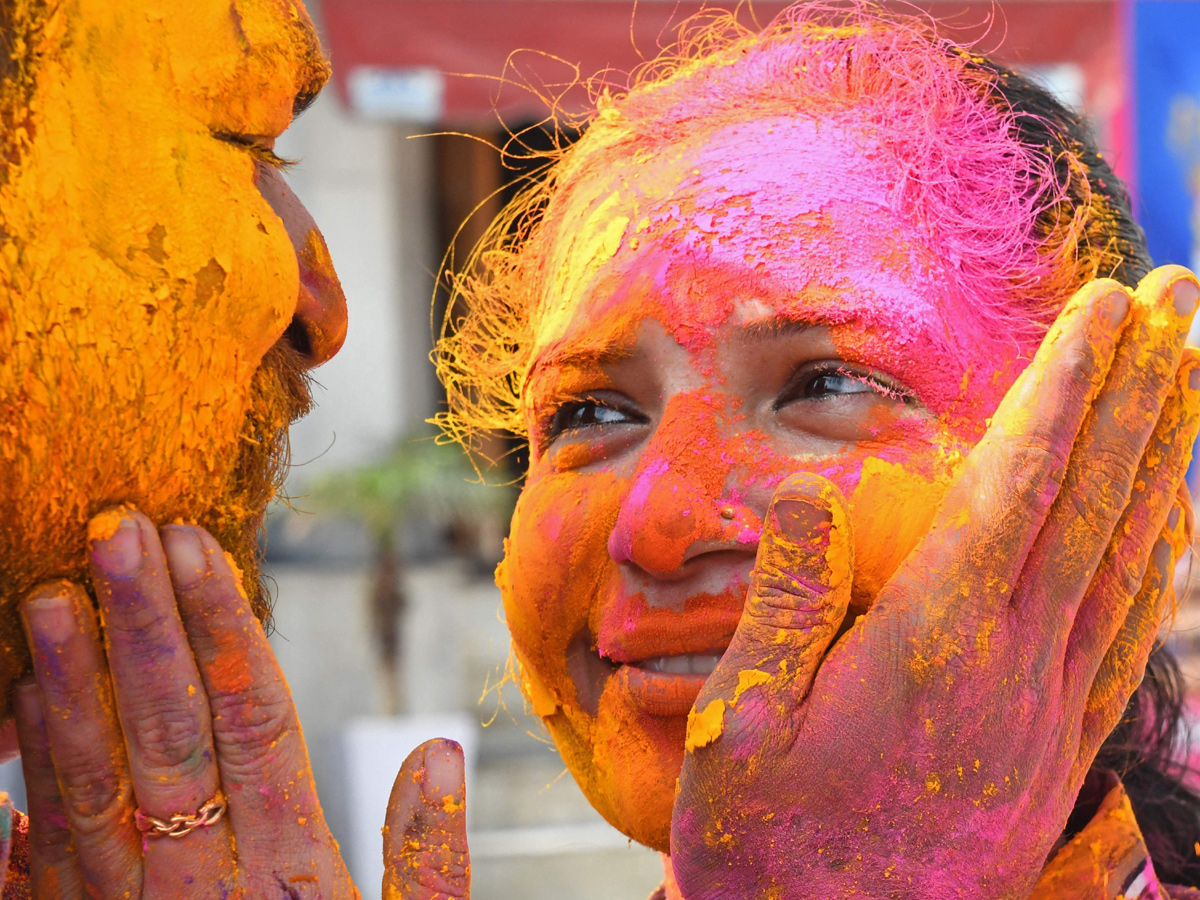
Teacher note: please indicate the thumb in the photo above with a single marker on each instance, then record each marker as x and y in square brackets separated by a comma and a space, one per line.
[798, 596]
[425, 834]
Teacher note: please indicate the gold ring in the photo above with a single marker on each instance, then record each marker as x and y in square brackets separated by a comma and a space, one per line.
[179, 825]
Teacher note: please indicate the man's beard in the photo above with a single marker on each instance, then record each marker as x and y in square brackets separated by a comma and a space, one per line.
[278, 395]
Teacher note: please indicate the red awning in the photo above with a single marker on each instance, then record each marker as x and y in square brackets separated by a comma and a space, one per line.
[462, 62]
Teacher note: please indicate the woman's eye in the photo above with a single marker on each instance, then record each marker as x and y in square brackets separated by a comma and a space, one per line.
[836, 383]
[583, 414]
[825, 383]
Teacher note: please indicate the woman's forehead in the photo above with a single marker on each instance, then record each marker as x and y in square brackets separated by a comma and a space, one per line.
[796, 219]
[789, 212]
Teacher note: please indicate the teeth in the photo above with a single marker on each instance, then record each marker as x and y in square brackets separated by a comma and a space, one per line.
[688, 664]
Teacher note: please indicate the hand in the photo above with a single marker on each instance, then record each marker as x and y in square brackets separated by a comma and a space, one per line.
[181, 701]
[937, 749]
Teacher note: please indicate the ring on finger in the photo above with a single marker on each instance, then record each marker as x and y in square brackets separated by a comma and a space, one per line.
[181, 824]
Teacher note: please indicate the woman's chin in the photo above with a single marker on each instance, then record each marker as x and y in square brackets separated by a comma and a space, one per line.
[637, 757]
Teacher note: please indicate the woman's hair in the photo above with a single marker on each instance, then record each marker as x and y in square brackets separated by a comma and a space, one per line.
[1001, 181]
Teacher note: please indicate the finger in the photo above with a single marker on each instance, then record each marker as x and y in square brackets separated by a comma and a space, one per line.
[160, 702]
[798, 596]
[261, 756]
[1125, 662]
[1107, 457]
[425, 834]
[85, 738]
[52, 866]
[992, 514]
[1121, 573]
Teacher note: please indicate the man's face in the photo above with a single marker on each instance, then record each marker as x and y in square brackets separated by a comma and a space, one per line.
[151, 260]
[742, 307]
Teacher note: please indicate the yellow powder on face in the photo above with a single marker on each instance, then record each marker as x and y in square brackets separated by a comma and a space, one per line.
[898, 503]
[705, 727]
[143, 276]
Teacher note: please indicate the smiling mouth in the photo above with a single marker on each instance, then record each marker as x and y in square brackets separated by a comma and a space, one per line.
[665, 685]
[686, 664]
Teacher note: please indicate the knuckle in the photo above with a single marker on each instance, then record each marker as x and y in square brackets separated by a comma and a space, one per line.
[773, 611]
[1122, 583]
[247, 725]
[169, 737]
[1037, 467]
[134, 618]
[441, 866]
[1079, 364]
[91, 795]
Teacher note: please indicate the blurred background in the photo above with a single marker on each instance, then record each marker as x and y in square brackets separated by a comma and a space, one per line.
[387, 622]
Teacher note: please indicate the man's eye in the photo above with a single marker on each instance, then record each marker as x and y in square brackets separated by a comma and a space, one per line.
[256, 148]
[582, 414]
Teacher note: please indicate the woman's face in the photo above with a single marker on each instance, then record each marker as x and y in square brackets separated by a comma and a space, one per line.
[743, 305]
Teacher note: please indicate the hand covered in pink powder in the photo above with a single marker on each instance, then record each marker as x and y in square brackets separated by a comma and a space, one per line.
[937, 749]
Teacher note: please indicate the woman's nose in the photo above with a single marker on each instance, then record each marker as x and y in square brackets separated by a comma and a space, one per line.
[318, 326]
[675, 510]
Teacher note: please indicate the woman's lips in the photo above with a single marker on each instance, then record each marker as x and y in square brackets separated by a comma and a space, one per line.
[666, 685]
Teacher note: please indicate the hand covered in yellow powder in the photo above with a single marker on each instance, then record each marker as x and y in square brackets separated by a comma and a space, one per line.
[937, 749]
[162, 753]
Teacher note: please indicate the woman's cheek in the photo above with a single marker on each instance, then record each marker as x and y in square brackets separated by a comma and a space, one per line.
[553, 576]
[891, 509]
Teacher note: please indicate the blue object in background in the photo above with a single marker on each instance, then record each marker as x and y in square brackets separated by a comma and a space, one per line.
[1166, 46]
[1166, 71]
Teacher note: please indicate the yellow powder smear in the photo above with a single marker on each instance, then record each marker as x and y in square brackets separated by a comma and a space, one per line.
[543, 700]
[837, 557]
[449, 805]
[748, 678]
[901, 503]
[103, 526]
[239, 578]
[705, 727]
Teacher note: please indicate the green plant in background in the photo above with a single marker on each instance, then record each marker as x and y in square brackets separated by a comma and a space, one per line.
[418, 481]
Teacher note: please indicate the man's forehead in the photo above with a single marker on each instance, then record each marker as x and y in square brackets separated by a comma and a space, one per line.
[239, 64]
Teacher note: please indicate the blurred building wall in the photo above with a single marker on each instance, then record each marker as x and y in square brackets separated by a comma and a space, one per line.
[369, 189]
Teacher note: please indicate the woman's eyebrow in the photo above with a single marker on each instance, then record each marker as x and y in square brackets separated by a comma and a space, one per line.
[568, 357]
[777, 327]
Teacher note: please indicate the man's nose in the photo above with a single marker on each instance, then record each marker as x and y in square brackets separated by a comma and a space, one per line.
[318, 326]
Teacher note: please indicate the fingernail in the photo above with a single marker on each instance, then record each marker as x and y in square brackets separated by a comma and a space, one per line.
[1115, 307]
[185, 555]
[49, 617]
[441, 777]
[118, 553]
[1185, 293]
[1194, 378]
[799, 520]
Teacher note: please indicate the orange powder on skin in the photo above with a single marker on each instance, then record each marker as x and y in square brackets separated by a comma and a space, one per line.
[625, 760]
[142, 274]
[669, 242]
